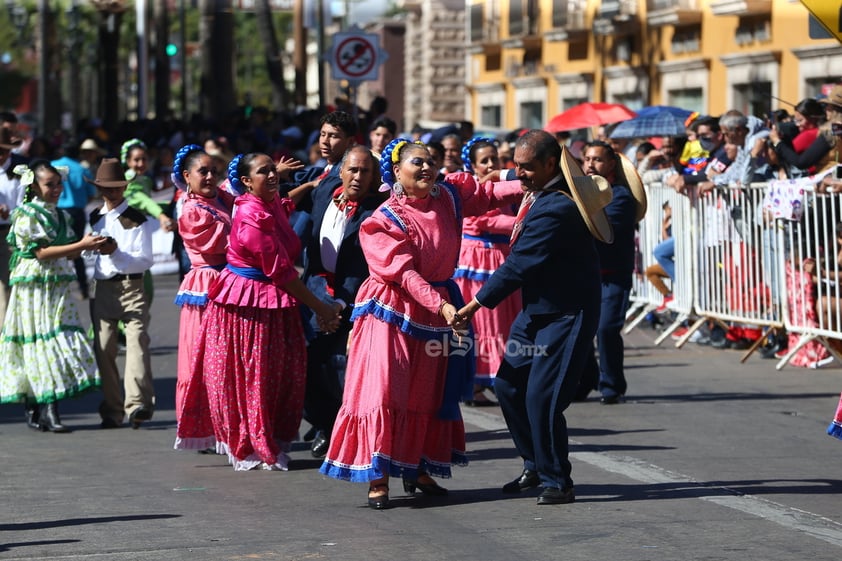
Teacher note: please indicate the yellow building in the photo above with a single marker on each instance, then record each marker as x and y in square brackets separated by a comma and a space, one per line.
[529, 60]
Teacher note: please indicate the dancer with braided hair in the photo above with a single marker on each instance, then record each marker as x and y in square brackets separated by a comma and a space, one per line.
[134, 157]
[44, 353]
[251, 351]
[204, 224]
[400, 413]
[485, 245]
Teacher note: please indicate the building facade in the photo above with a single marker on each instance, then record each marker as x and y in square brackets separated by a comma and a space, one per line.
[528, 60]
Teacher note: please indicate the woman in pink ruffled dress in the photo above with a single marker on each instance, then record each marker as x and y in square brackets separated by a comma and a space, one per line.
[485, 245]
[404, 379]
[251, 349]
[204, 224]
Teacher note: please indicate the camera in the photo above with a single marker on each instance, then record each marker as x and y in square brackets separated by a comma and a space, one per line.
[836, 129]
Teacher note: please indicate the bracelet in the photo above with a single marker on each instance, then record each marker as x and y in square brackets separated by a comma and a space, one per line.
[441, 308]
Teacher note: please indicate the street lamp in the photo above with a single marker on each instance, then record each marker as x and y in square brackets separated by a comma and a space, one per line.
[20, 18]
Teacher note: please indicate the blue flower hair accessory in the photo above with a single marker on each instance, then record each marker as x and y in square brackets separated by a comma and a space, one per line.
[178, 164]
[466, 151]
[234, 177]
[128, 146]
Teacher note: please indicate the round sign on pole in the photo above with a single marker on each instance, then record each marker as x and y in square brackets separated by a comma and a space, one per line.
[356, 56]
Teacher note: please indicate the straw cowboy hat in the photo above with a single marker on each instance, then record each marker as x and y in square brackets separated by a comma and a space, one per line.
[628, 176]
[89, 144]
[591, 193]
[834, 97]
[7, 141]
[110, 174]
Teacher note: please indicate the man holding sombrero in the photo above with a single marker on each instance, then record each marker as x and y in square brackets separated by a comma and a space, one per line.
[554, 263]
[11, 196]
[616, 264]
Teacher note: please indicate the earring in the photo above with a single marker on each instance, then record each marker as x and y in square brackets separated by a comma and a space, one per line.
[434, 191]
[397, 188]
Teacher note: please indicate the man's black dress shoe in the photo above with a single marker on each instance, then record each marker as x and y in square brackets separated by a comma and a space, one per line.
[109, 423]
[528, 480]
[320, 445]
[555, 496]
[611, 399]
[139, 415]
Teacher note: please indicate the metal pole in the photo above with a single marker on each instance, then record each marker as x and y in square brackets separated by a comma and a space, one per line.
[43, 10]
[299, 54]
[142, 59]
[185, 79]
[73, 28]
[321, 54]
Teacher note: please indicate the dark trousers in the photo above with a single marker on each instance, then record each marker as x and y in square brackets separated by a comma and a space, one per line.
[537, 380]
[608, 376]
[77, 216]
[325, 378]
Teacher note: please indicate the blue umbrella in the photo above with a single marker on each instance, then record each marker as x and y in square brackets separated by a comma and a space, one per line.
[658, 123]
[654, 109]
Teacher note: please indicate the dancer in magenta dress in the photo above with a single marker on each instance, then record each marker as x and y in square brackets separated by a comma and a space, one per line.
[400, 415]
[485, 245]
[251, 348]
[204, 224]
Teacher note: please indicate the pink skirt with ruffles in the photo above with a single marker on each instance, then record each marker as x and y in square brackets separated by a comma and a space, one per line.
[389, 422]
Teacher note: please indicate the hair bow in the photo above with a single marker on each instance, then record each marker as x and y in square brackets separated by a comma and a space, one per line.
[27, 176]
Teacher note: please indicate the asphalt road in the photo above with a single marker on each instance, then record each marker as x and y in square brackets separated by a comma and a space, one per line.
[707, 460]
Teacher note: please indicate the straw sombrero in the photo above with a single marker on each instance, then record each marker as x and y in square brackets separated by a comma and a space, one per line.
[631, 178]
[591, 193]
[109, 174]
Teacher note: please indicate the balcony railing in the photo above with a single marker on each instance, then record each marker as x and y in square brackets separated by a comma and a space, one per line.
[673, 12]
[742, 7]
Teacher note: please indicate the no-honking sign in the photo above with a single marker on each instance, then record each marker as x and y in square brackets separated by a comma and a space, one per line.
[356, 56]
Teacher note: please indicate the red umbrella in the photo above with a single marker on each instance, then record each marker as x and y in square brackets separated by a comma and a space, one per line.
[588, 115]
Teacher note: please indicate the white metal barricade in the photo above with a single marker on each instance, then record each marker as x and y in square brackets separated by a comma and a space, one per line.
[736, 272]
[811, 278]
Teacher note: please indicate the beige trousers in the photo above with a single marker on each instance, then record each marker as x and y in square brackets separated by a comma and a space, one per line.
[124, 301]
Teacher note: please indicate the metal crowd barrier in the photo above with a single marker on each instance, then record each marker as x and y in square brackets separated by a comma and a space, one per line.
[737, 264]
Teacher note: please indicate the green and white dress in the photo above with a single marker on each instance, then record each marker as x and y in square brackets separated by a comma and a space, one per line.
[45, 355]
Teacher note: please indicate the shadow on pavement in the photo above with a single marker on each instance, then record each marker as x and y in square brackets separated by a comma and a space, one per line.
[82, 521]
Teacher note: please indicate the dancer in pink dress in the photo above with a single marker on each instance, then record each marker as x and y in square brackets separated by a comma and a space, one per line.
[485, 245]
[251, 348]
[400, 412]
[204, 225]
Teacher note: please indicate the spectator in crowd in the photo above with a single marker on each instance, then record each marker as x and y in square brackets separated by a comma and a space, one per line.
[335, 267]
[34, 368]
[251, 349]
[452, 144]
[382, 132]
[818, 155]
[119, 268]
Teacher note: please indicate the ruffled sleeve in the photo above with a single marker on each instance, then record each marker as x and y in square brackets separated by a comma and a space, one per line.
[391, 257]
[29, 232]
[204, 233]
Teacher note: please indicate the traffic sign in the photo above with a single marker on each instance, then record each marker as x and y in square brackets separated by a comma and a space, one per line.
[356, 56]
[829, 14]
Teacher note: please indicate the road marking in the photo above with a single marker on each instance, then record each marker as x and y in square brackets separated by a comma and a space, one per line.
[812, 524]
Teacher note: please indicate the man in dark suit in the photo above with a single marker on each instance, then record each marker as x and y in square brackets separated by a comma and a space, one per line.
[555, 264]
[336, 267]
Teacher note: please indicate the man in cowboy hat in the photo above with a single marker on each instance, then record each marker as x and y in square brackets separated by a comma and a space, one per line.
[554, 263]
[616, 263]
[119, 296]
[11, 195]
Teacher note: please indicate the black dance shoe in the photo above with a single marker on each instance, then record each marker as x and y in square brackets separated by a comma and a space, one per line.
[556, 496]
[432, 488]
[381, 500]
[528, 480]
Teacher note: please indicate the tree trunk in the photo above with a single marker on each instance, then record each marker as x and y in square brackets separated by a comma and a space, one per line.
[274, 63]
[51, 74]
[162, 59]
[109, 41]
[216, 40]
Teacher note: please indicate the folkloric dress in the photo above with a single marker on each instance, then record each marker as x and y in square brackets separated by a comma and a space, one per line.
[485, 245]
[204, 225]
[400, 413]
[45, 355]
[251, 349]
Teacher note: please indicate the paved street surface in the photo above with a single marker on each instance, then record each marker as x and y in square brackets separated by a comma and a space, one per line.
[707, 460]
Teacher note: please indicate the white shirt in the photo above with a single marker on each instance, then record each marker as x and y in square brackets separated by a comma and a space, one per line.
[331, 234]
[11, 191]
[134, 242]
